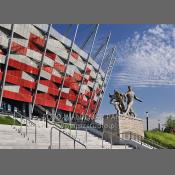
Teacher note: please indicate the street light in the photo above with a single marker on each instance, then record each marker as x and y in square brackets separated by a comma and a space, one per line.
[159, 124]
[147, 126]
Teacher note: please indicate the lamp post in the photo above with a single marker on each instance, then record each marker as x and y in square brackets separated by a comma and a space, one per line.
[147, 122]
[159, 124]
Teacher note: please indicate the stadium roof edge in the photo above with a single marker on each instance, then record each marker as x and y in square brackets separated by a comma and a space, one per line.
[67, 42]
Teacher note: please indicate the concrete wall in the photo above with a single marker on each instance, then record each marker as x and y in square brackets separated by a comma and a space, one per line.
[135, 125]
[115, 125]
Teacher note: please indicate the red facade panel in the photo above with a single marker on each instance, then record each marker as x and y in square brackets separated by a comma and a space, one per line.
[23, 67]
[1, 75]
[53, 91]
[17, 96]
[74, 55]
[71, 96]
[34, 47]
[77, 76]
[18, 49]
[56, 79]
[59, 67]
[45, 100]
[63, 106]
[47, 69]
[51, 55]
[36, 39]
[14, 77]
[71, 83]
[80, 109]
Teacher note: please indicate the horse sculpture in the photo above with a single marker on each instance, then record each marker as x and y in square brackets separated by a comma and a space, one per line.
[118, 99]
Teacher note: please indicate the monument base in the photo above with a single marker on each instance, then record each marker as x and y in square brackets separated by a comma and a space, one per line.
[114, 127]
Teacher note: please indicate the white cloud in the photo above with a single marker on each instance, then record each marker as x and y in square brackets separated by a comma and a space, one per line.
[147, 59]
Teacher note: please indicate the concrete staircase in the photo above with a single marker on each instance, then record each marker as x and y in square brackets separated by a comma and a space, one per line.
[11, 138]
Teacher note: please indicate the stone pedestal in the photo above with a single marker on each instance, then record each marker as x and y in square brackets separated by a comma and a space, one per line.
[115, 125]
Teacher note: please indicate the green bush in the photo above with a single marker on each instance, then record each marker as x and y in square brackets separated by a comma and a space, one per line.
[165, 139]
[68, 126]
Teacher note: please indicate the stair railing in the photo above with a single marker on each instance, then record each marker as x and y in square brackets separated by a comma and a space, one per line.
[66, 134]
[27, 121]
[142, 140]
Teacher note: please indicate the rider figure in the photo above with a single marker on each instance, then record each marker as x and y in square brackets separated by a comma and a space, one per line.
[130, 95]
[120, 100]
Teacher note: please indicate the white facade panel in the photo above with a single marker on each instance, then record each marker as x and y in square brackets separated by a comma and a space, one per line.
[3, 34]
[62, 54]
[23, 30]
[22, 42]
[83, 54]
[58, 60]
[42, 88]
[86, 77]
[93, 63]
[85, 98]
[4, 41]
[12, 88]
[102, 73]
[48, 61]
[96, 86]
[93, 74]
[45, 75]
[84, 88]
[6, 26]
[35, 31]
[56, 44]
[65, 90]
[60, 37]
[68, 103]
[2, 59]
[23, 59]
[33, 54]
[90, 84]
[95, 98]
[28, 77]
[43, 27]
[56, 73]
[70, 70]
[77, 63]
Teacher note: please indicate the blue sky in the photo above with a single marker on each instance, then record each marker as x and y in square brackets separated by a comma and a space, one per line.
[145, 60]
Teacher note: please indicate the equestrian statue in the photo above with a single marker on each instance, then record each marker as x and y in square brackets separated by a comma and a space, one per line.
[118, 100]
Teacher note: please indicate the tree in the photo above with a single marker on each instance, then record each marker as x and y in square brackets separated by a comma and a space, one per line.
[170, 124]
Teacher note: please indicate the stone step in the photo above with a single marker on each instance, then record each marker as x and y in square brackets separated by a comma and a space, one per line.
[11, 139]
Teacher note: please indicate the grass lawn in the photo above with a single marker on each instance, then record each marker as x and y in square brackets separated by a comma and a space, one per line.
[68, 126]
[165, 139]
[7, 120]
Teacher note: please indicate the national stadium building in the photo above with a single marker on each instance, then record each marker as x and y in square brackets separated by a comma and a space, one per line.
[42, 69]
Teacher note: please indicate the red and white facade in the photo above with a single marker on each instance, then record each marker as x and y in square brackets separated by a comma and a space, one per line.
[24, 63]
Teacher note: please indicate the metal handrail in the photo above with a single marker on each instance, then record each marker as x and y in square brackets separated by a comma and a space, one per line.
[143, 140]
[85, 128]
[60, 125]
[111, 139]
[26, 122]
[130, 136]
[45, 116]
[60, 131]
